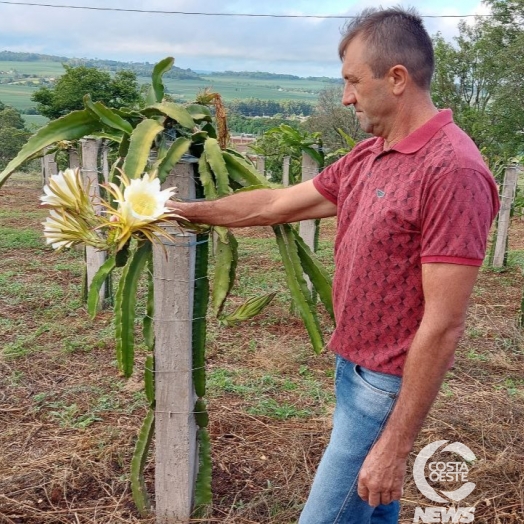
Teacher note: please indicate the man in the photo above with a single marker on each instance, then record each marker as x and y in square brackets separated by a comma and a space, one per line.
[414, 207]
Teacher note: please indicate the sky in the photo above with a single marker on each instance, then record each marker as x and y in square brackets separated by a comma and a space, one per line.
[299, 46]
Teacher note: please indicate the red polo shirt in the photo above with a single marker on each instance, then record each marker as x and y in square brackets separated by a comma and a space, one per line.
[430, 198]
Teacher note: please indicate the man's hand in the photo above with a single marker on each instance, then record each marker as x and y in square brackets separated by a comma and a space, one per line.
[382, 475]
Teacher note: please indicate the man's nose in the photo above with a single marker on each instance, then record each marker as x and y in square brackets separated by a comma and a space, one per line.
[348, 97]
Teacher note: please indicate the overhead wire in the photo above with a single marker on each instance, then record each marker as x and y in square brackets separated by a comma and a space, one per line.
[201, 13]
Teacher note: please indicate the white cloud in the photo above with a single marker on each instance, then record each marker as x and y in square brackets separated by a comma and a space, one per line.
[304, 46]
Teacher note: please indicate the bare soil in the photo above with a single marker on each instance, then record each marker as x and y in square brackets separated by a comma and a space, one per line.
[68, 420]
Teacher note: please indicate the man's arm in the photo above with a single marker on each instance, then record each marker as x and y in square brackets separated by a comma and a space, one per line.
[262, 207]
[447, 288]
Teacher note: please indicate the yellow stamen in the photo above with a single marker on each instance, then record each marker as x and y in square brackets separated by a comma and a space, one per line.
[143, 204]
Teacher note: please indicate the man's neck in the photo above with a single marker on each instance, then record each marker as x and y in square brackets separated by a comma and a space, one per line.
[407, 120]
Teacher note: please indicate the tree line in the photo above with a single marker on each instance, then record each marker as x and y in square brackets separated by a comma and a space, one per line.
[239, 124]
[257, 107]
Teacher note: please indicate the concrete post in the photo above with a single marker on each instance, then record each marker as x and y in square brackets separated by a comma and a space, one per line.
[94, 257]
[175, 427]
[508, 196]
[285, 171]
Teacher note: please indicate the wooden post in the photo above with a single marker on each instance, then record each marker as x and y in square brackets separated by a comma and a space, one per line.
[175, 427]
[261, 164]
[285, 171]
[508, 195]
[94, 257]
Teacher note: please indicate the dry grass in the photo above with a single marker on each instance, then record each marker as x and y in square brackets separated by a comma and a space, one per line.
[68, 420]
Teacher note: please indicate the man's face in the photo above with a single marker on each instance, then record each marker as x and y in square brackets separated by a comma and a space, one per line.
[369, 96]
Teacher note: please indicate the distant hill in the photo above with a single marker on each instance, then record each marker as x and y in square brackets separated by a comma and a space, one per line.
[262, 75]
[11, 56]
[140, 68]
[145, 68]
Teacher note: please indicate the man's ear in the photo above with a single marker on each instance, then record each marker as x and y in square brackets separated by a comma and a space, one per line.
[398, 78]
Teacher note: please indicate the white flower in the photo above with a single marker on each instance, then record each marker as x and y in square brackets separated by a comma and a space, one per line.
[62, 229]
[144, 201]
[67, 191]
[142, 204]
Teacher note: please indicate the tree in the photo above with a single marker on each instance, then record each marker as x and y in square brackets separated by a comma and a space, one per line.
[238, 123]
[481, 78]
[466, 79]
[330, 116]
[125, 89]
[10, 117]
[13, 133]
[269, 108]
[509, 14]
[69, 90]
[271, 146]
[508, 28]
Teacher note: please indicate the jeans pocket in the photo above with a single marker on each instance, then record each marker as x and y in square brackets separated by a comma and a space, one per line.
[387, 385]
[340, 364]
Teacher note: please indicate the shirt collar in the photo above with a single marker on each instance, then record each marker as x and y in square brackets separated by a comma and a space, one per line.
[421, 136]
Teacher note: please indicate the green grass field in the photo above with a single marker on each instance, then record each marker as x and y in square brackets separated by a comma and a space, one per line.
[18, 96]
[240, 87]
[230, 87]
[18, 91]
[35, 121]
[47, 69]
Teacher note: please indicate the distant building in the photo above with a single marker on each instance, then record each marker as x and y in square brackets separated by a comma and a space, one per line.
[242, 142]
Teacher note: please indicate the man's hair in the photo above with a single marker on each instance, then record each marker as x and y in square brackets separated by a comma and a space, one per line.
[393, 36]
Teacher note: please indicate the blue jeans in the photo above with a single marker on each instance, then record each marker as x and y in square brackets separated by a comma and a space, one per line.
[365, 400]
